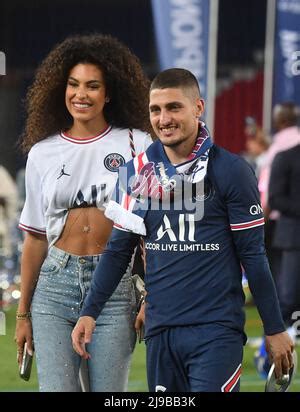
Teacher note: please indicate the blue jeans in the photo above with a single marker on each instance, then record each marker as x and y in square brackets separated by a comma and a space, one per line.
[62, 286]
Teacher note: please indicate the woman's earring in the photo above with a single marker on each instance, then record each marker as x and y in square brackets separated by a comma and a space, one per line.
[107, 99]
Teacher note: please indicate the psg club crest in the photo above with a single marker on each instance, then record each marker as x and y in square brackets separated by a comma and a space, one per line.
[113, 161]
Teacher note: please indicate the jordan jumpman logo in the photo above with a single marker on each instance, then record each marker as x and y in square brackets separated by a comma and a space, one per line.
[62, 172]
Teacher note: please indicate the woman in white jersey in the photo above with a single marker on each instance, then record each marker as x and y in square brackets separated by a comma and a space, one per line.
[87, 115]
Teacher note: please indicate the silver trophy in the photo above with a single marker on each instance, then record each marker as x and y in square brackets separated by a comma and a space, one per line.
[283, 384]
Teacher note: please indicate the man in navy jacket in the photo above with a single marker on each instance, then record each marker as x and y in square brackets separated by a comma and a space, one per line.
[197, 207]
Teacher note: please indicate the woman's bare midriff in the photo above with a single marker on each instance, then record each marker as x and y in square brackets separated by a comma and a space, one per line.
[86, 232]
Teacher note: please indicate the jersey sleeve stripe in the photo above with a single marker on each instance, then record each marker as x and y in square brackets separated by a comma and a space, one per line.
[247, 225]
[31, 229]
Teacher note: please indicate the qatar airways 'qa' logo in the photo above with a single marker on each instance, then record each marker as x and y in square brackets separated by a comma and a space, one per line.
[255, 210]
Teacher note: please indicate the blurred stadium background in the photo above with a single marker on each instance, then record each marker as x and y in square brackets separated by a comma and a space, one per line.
[28, 30]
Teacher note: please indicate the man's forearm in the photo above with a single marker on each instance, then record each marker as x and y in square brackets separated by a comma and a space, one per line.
[109, 271]
[263, 290]
[251, 252]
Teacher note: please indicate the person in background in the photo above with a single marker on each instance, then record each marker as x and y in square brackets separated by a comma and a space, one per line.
[285, 124]
[256, 145]
[8, 210]
[285, 118]
[197, 207]
[86, 117]
[284, 196]
[20, 182]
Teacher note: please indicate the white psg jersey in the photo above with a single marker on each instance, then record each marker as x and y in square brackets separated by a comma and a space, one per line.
[64, 172]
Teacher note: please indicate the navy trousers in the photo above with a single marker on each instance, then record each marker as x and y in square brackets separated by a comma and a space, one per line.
[204, 358]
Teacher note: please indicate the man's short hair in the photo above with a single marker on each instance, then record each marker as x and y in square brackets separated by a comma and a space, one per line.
[176, 78]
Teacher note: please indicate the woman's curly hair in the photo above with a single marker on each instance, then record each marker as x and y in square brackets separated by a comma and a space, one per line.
[126, 85]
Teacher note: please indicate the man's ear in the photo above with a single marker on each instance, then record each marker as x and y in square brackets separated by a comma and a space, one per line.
[200, 107]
